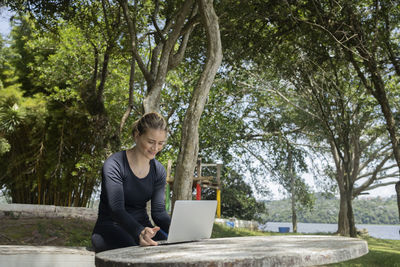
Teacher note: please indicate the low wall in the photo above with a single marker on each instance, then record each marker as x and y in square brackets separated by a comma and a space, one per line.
[49, 211]
[235, 223]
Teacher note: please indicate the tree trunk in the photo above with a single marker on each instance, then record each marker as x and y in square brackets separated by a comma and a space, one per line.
[292, 188]
[398, 196]
[160, 64]
[343, 222]
[350, 214]
[294, 215]
[378, 91]
[189, 143]
[380, 95]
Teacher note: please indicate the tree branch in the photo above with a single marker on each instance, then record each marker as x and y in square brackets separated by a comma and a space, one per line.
[377, 154]
[374, 186]
[365, 175]
[132, 34]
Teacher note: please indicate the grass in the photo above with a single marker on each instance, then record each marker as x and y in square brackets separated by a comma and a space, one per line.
[76, 232]
[382, 252]
[45, 231]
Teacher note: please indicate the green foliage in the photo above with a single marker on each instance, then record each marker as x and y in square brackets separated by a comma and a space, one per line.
[237, 198]
[58, 54]
[4, 146]
[44, 108]
[366, 211]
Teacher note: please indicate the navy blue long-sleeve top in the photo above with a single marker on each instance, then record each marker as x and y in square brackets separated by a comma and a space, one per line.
[124, 196]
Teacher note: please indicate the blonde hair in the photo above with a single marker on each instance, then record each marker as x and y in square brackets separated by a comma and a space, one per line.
[150, 120]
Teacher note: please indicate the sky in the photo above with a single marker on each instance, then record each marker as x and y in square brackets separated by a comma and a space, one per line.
[276, 189]
[385, 191]
[4, 22]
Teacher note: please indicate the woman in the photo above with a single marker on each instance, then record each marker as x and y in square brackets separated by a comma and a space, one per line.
[129, 179]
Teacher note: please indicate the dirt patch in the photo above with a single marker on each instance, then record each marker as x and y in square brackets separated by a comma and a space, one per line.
[45, 231]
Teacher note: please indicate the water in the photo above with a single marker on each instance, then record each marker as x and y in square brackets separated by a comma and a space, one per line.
[377, 231]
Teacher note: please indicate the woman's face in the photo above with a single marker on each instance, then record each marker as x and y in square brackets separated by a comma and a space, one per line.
[151, 142]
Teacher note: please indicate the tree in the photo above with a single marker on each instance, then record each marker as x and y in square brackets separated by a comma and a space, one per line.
[100, 24]
[189, 144]
[63, 170]
[343, 118]
[367, 33]
[281, 36]
[178, 21]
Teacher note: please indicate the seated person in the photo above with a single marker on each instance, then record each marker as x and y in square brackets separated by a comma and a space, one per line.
[129, 179]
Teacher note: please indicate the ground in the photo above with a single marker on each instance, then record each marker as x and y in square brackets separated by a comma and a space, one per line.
[45, 231]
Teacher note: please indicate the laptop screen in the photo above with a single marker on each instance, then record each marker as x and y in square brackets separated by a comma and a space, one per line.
[192, 220]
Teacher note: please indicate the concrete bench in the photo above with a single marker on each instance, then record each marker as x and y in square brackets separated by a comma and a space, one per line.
[287, 250]
[45, 256]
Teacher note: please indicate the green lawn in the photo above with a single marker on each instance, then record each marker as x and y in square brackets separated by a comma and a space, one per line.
[382, 252]
[45, 231]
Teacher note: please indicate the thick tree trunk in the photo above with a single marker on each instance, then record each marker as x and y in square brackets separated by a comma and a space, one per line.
[350, 214]
[189, 143]
[378, 90]
[343, 222]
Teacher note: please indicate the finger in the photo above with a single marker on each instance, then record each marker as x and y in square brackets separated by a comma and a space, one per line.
[142, 242]
[146, 231]
[150, 241]
[154, 231]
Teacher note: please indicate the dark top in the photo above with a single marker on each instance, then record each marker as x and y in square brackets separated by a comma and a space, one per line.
[123, 196]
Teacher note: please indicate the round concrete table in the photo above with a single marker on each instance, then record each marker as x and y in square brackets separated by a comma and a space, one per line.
[284, 250]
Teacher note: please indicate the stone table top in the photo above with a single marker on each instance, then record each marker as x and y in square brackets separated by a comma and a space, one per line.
[282, 250]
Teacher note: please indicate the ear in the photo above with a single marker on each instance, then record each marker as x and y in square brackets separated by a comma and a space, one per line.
[135, 135]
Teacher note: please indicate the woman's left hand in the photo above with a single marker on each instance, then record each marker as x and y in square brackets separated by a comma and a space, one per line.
[145, 237]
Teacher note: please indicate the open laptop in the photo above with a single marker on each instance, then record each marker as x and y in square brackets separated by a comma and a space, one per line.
[191, 220]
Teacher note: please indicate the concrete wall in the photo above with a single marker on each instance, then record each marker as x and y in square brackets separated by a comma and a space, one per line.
[50, 211]
[235, 223]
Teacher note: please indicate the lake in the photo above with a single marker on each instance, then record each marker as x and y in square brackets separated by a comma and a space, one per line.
[378, 231]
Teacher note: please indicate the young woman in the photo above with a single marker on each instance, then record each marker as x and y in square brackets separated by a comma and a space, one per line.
[129, 179]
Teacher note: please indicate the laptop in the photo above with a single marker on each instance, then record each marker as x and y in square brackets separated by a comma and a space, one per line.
[191, 220]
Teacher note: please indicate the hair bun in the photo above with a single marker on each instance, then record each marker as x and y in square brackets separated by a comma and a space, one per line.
[150, 120]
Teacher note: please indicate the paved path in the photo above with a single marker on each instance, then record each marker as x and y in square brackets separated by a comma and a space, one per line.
[284, 250]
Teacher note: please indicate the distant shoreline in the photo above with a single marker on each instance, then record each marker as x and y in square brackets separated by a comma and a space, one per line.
[383, 231]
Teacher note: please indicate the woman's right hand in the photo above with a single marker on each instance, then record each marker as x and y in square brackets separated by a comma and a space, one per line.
[145, 237]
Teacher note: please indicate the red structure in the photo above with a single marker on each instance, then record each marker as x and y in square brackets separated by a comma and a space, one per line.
[198, 191]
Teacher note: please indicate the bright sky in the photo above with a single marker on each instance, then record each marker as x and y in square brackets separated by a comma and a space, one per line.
[385, 191]
[278, 192]
[4, 22]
